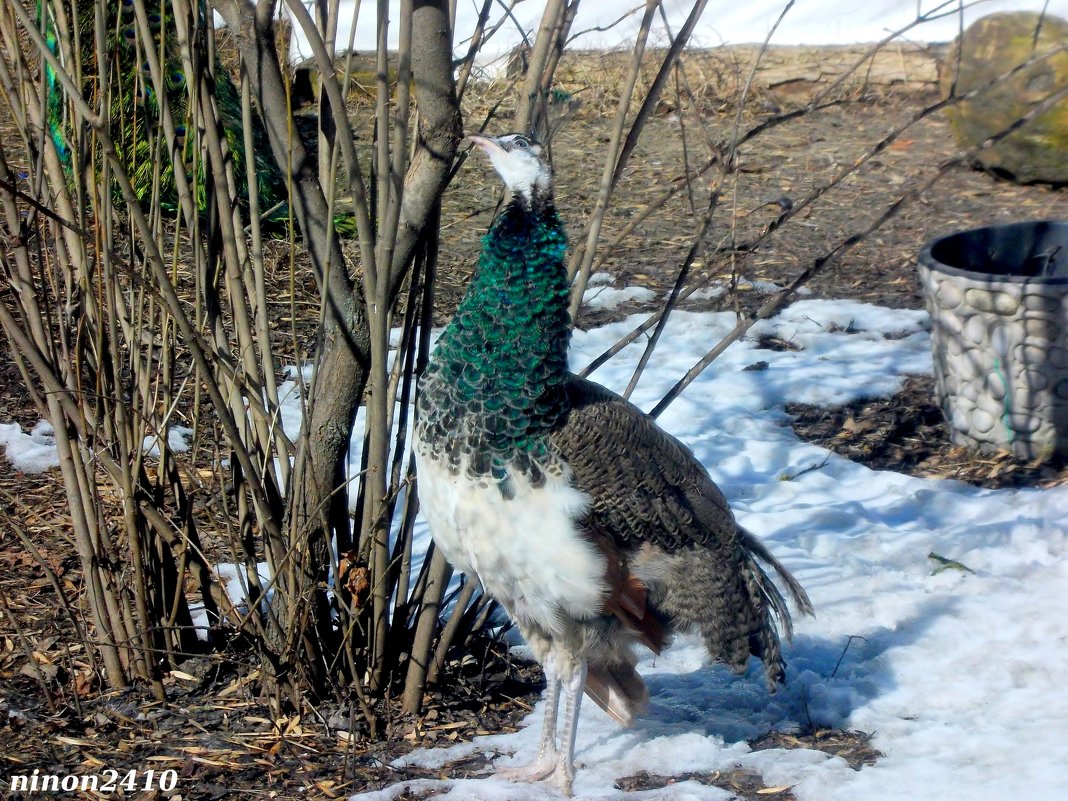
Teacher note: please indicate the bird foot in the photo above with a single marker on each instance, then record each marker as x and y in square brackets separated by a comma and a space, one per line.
[550, 766]
[563, 777]
[541, 768]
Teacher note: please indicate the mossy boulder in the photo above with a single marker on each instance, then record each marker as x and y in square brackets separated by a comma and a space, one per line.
[992, 47]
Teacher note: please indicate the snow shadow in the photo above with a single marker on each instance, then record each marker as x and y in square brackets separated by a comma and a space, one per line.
[827, 679]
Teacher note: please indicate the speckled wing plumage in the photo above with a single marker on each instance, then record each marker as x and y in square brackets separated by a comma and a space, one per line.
[651, 497]
[645, 486]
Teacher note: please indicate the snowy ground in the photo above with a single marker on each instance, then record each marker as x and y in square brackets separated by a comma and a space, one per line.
[35, 452]
[960, 676]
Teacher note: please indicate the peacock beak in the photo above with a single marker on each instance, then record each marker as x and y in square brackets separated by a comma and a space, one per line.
[487, 143]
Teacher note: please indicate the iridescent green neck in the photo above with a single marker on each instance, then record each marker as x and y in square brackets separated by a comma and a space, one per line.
[494, 387]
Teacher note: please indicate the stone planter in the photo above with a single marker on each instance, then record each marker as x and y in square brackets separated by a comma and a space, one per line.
[998, 299]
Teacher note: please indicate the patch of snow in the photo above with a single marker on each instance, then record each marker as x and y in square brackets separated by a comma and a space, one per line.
[606, 297]
[717, 289]
[754, 285]
[712, 291]
[30, 453]
[234, 580]
[36, 452]
[598, 279]
[177, 440]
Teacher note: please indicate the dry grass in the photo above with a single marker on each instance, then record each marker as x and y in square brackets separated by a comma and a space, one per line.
[907, 433]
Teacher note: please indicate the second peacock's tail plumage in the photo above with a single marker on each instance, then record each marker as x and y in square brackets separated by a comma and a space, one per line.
[125, 83]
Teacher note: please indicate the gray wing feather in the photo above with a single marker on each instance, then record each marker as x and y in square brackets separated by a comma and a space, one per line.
[644, 485]
[651, 496]
[770, 591]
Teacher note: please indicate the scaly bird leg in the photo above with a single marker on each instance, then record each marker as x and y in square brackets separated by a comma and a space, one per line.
[564, 775]
[548, 757]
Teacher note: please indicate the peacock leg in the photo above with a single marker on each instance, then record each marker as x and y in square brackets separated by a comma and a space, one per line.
[564, 775]
[546, 761]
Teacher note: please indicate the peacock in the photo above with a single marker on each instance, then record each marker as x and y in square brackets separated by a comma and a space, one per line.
[595, 529]
[136, 110]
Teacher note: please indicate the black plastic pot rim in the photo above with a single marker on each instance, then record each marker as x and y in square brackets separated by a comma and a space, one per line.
[928, 261]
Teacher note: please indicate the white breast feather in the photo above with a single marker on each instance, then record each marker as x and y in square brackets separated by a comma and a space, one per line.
[526, 550]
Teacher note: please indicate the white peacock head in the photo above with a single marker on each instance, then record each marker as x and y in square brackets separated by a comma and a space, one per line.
[517, 159]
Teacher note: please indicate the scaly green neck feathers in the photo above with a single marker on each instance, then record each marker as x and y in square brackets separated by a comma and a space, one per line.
[494, 387]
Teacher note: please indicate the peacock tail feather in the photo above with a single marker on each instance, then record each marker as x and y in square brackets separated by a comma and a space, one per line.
[135, 110]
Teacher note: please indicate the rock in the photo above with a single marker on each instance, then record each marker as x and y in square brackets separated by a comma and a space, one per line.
[949, 295]
[975, 330]
[1034, 302]
[1058, 357]
[1041, 330]
[991, 47]
[1031, 355]
[1032, 381]
[1024, 423]
[987, 300]
[983, 422]
[960, 417]
[969, 390]
[950, 324]
[995, 386]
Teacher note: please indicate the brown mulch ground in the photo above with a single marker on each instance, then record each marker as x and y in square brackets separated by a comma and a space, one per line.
[907, 433]
[225, 743]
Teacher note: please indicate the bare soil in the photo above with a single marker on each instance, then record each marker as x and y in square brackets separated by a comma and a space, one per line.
[224, 742]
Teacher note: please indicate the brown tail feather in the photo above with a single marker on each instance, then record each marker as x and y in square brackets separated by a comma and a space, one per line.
[627, 598]
[618, 690]
[772, 594]
[629, 604]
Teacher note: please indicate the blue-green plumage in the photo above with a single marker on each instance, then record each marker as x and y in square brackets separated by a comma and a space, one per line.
[135, 110]
[53, 94]
[494, 389]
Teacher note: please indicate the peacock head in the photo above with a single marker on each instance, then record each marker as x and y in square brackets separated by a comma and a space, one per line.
[517, 159]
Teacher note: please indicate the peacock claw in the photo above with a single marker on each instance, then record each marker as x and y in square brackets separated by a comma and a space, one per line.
[563, 777]
[543, 767]
[549, 767]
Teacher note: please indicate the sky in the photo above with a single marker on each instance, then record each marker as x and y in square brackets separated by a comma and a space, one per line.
[723, 22]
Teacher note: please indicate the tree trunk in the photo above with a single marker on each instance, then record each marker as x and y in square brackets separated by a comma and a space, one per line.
[317, 501]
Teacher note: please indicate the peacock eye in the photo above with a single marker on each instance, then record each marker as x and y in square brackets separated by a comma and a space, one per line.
[520, 142]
